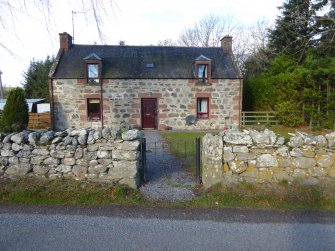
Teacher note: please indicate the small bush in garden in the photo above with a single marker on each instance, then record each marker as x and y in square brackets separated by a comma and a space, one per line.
[15, 115]
[289, 114]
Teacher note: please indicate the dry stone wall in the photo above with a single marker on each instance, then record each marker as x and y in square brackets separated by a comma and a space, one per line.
[101, 155]
[254, 156]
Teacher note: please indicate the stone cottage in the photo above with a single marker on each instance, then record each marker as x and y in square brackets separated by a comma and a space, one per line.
[145, 86]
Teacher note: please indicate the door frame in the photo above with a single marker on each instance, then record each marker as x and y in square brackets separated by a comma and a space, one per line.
[155, 113]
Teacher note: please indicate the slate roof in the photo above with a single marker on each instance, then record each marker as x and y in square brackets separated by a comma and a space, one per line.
[144, 62]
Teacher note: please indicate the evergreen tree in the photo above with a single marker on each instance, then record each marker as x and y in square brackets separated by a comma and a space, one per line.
[298, 79]
[325, 29]
[36, 79]
[293, 32]
[15, 115]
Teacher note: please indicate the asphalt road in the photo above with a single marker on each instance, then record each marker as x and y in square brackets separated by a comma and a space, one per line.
[136, 228]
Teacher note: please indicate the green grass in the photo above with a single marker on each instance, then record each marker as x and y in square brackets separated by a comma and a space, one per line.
[183, 145]
[66, 191]
[243, 195]
[280, 196]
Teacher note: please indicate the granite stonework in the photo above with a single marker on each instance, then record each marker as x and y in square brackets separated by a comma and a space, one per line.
[252, 156]
[97, 155]
[121, 102]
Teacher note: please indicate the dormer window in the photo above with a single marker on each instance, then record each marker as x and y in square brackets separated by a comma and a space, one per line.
[92, 73]
[203, 73]
[203, 69]
[93, 68]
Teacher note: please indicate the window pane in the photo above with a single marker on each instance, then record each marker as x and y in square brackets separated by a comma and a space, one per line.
[92, 70]
[202, 108]
[93, 109]
[202, 71]
[94, 101]
[202, 105]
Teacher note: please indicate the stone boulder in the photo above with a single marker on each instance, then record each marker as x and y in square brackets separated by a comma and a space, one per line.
[321, 141]
[280, 141]
[7, 138]
[106, 133]
[266, 160]
[330, 139]
[303, 162]
[131, 135]
[18, 170]
[238, 167]
[90, 138]
[34, 137]
[296, 141]
[325, 160]
[17, 138]
[237, 138]
[61, 134]
[79, 171]
[116, 133]
[228, 154]
[46, 137]
[259, 138]
[127, 145]
[272, 136]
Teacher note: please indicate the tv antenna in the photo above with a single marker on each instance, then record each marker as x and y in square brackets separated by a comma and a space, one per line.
[73, 13]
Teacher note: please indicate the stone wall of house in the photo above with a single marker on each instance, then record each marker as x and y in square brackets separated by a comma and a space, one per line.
[101, 155]
[254, 156]
[176, 99]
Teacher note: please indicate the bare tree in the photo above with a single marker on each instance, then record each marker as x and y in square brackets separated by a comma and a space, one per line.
[10, 10]
[166, 42]
[252, 42]
[208, 31]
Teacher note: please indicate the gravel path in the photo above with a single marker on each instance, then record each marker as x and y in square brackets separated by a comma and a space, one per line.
[167, 180]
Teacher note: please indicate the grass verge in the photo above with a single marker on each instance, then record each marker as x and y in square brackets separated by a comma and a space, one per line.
[65, 191]
[275, 196]
[243, 195]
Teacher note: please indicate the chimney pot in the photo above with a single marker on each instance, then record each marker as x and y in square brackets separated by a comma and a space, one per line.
[227, 44]
[65, 41]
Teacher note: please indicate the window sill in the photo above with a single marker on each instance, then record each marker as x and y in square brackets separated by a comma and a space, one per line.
[200, 83]
[92, 84]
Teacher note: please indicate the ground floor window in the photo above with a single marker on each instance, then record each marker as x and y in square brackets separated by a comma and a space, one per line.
[93, 109]
[202, 108]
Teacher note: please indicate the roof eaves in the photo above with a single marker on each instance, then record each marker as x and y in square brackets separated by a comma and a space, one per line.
[55, 64]
[202, 58]
[92, 56]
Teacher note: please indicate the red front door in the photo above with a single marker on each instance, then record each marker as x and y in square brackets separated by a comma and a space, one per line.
[149, 107]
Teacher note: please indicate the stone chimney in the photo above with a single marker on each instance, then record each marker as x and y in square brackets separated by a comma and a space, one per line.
[227, 44]
[65, 41]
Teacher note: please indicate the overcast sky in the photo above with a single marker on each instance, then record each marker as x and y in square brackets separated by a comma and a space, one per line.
[136, 22]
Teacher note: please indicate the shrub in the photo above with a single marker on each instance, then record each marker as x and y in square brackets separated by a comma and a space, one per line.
[289, 114]
[15, 115]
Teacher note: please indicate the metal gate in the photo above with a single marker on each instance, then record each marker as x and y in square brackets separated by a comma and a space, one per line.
[162, 156]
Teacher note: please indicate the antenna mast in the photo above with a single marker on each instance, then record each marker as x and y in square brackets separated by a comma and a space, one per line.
[1, 89]
[73, 13]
